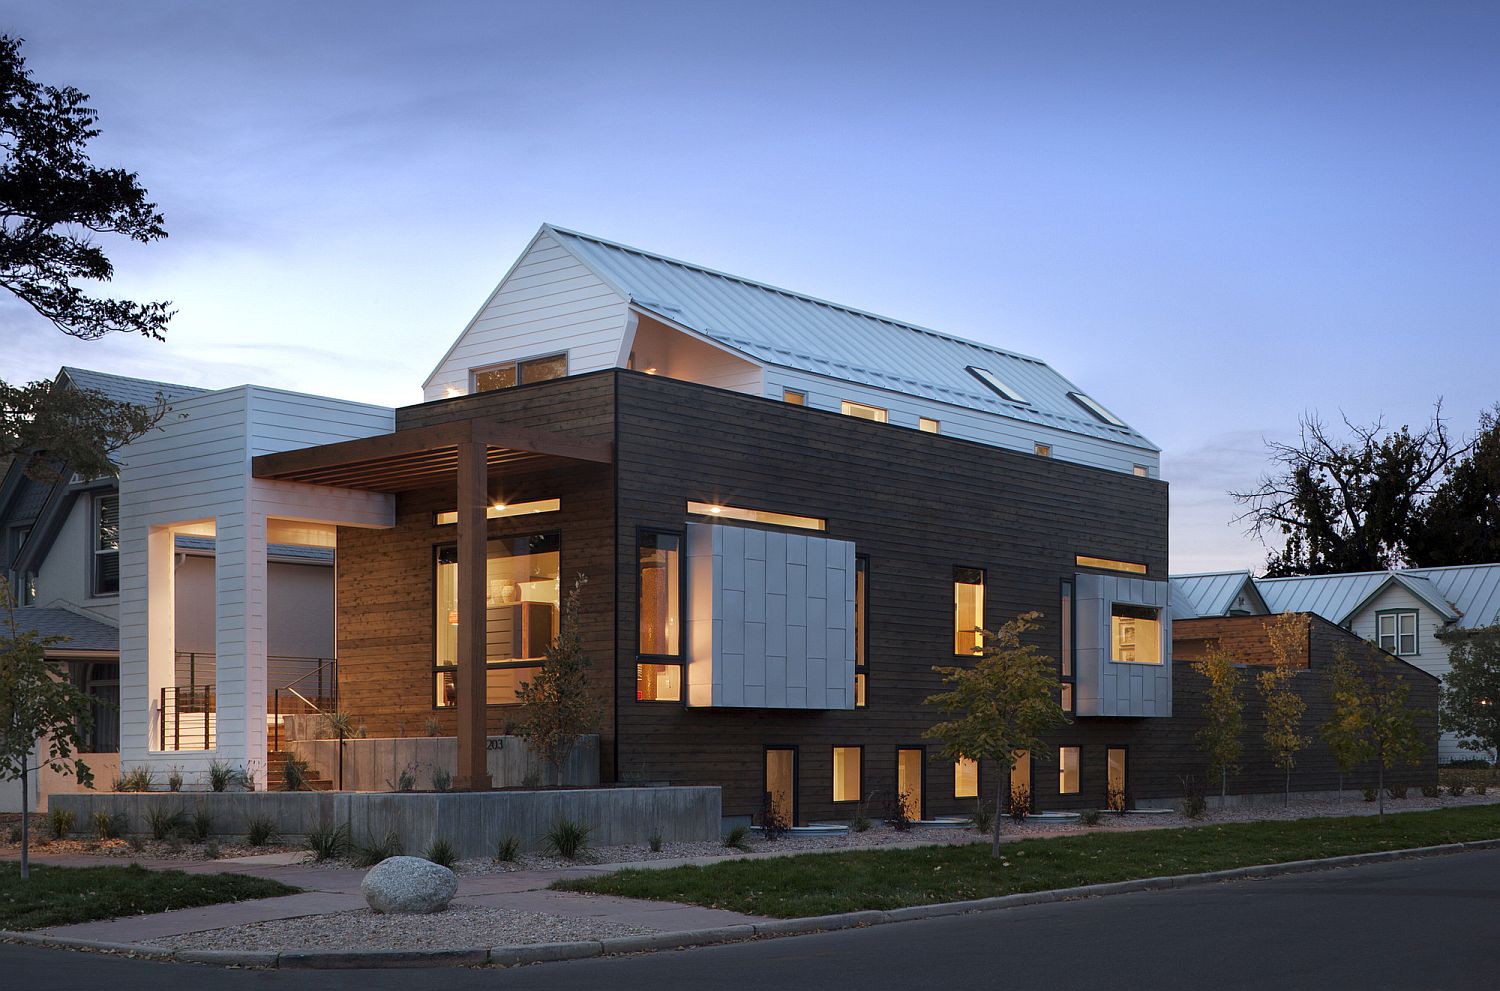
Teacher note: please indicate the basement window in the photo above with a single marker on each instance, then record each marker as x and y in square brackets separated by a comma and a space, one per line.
[1098, 412]
[718, 512]
[501, 510]
[996, 386]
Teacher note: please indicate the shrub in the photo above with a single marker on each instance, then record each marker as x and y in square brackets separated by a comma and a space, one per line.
[859, 822]
[1481, 786]
[1469, 763]
[200, 826]
[532, 779]
[1457, 785]
[261, 831]
[139, 778]
[900, 819]
[211, 849]
[654, 843]
[377, 850]
[1114, 799]
[220, 776]
[1431, 790]
[441, 852]
[1018, 803]
[174, 779]
[110, 826]
[329, 842]
[1091, 817]
[442, 779]
[773, 825]
[294, 774]
[1194, 803]
[164, 824]
[984, 817]
[405, 781]
[14, 835]
[60, 823]
[1371, 793]
[1397, 791]
[738, 838]
[568, 839]
[507, 850]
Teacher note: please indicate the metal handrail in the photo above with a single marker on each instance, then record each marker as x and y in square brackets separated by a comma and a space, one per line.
[314, 706]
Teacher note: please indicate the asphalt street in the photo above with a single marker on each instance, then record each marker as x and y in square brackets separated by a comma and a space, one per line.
[1430, 923]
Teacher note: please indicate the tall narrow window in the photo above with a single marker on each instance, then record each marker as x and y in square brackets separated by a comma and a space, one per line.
[1114, 794]
[1020, 781]
[911, 780]
[1065, 645]
[1067, 770]
[862, 411]
[107, 545]
[861, 630]
[658, 671]
[968, 611]
[846, 773]
[965, 778]
[1136, 634]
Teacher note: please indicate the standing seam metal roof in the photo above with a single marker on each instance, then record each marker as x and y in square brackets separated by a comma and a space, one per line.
[793, 330]
[122, 389]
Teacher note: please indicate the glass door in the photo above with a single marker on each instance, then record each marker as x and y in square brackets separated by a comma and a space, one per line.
[781, 785]
[909, 767]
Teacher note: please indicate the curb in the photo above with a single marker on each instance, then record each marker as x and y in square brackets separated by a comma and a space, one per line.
[530, 953]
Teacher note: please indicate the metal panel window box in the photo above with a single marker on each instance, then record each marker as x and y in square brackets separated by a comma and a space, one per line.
[770, 619]
[1123, 647]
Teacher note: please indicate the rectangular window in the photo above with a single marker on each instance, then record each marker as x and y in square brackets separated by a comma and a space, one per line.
[781, 784]
[660, 618]
[1136, 634]
[1398, 632]
[928, 425]
[793, 398]
[1140, 471]
[966, 778]
[1065, 645]
[502, 510]
[862, 411]
[1042, 450]
[1067, 770]
[514, 373]
[755, 516]
[861, 628]
[107, 545]
[522, 597]
[968, 611]
[1020, 780]
[847, 763]
[1105, 564]
[911, 780]
[1114, 794]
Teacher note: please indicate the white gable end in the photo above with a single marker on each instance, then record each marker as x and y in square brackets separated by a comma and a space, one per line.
[548, 303]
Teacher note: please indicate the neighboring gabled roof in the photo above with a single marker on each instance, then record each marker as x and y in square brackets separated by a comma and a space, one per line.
[290, 552]
[793, 330]
[1208, 594]
[82, 633]
[122, 389]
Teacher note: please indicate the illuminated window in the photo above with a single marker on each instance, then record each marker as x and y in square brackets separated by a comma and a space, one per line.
[1020, 780]
[861, 628]
[107, 545]
[513, 373]
[1136, 634]
[660, 618]
[928, 425]
[1140, 471]
[1067, 770]
[521, 605]
[965, 778]
[501, 510]
[793, 397]
[862, 411]
[1397, 632]
[968, 610]
[1104, 563]
[996, 386]
[1115, 785]
[1099, 412]
[755, 516]
[846, 772]
[1043, 450]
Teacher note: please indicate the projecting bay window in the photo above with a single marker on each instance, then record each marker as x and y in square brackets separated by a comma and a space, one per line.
[1398, 632]
[861, 630]
[1135, 634]
[513, 373]
[848, 766]
[968, 611]
[522, 596]
[658, 669]
[106, 565]
[1065, 646]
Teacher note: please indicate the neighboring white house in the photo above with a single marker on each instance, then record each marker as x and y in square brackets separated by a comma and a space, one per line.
[1402, 611]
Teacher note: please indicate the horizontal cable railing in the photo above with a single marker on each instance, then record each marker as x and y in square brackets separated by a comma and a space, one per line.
[315, 693]
[188, 717]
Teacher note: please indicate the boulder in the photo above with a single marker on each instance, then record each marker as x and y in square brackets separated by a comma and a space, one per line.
[409, 886]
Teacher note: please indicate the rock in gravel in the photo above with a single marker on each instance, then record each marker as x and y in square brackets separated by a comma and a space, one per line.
[409, 886]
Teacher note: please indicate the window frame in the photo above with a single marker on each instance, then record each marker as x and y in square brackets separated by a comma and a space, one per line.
[515, 363]
[680, 658]
[953, 631]
[1040, 449]
[1078, 749]
[923, 421]
[885, 413]
[833, 765]
[765, 778]
[787, 394]
[862, 630]
[95, 551]
[1161, 645]
[1396, 615]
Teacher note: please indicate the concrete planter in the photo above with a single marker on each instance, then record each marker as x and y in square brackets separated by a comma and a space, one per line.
[376, 764]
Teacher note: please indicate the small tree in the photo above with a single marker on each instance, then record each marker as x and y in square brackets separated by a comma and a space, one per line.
[556, 707]
[1471, 691]
[1343, 732]
[1385, 725]
[1223, 715]
[1284, 708]
[1002, 704]
[42, 715]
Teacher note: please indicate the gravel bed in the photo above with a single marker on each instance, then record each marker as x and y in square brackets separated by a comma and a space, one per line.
[460, 927]
[145, 849]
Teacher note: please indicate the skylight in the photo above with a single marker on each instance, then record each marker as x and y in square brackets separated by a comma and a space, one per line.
[1102, 414]
[992, 380]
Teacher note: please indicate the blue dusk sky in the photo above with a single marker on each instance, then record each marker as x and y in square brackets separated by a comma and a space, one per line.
[1212, 216]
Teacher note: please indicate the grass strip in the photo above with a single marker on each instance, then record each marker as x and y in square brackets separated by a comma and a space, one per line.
[59, 896]
[826, 883]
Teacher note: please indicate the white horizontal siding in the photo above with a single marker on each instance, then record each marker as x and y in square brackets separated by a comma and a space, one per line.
[549, 302]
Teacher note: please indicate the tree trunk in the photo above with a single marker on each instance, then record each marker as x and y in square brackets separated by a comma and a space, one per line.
[1380, 788]
[1341, 784]
[995, 829]
[1223, 787]
[1289, 787]
[25, 819]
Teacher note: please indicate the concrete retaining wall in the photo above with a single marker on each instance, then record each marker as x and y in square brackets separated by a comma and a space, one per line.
[375, 765]
[473, 822]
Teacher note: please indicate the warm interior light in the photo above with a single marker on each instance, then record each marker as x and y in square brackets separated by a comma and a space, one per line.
[651, 371]
[499, 506]
[716, 509]
[452, 391]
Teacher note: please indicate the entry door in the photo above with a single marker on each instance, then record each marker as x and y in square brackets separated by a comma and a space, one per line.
[910, 763]
[781, 784]
[1115, 796]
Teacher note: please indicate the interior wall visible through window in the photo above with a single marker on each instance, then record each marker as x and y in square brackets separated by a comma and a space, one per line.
[968, 611]
[658, 671]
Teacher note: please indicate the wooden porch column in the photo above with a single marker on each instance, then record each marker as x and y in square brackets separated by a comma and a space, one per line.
[473, 498]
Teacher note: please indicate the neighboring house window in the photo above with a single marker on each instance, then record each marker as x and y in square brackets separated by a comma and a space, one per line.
[658, 670]
[1065, 646]
[1398, 632]
[521, 611]
[514, 373]
[1068, 770]
[1136, 634]
[846, 773]
[792, 397]
[107, 545]
[861, 630]
[965, 778]
[928, 425]
[968, 610]
[862, 411]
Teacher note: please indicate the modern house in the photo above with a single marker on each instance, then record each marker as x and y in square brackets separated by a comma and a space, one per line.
[779, 513]
[60, 552]
[1412, 613]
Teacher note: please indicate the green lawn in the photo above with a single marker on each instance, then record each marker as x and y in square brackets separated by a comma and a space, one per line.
[58, 896]
[820, 884]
